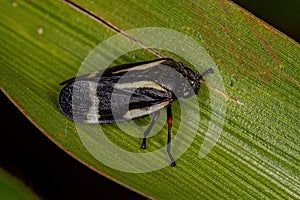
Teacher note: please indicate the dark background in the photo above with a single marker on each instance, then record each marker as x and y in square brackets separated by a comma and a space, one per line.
[55, 175]
[284, 15]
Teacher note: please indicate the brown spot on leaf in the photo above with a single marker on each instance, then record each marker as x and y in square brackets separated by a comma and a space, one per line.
[225, 6]
[263, 73]
[267, 47]
[14, 4]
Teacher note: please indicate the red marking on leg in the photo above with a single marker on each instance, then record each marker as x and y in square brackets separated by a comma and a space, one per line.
[170, 121]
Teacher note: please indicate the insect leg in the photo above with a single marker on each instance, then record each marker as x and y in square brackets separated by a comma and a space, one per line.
[155, 117]
[170, 121]
[210, 70]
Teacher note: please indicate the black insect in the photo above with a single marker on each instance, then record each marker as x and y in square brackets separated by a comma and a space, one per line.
[130, 91]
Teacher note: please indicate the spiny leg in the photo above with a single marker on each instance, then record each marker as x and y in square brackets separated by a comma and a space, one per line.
[155, 117]
[170, 121]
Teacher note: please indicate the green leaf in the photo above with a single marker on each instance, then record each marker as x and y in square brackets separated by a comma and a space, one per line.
[257, 155]
[12, 188]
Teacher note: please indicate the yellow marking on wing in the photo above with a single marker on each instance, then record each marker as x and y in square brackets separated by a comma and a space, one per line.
[93, 113]
[92, 75]
[134, 113]
[140, 67]
[140, 84]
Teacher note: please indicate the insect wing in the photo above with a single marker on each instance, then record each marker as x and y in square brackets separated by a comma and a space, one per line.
[108, 99]
[91, 102]
[130, 104]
